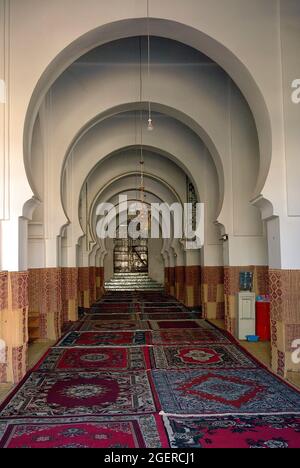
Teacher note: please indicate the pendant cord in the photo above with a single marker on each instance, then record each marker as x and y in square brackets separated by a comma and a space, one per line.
[149, 50]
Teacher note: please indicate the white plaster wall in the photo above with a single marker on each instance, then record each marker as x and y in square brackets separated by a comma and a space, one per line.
[52, 28]
[290, 36]
[155, 260]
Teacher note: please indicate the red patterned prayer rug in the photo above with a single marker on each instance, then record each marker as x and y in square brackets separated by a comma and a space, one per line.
[111, 325]
[211, 356]
[93, 359]
[170, 316]
[162, 305]
[113, 308]
[188, 337]
[269, 432]
[146, 431]
[115, 300]
[80, 393]
[92, 339]
[161, 310]
[182, 324]
[112, 317]
[230, 391]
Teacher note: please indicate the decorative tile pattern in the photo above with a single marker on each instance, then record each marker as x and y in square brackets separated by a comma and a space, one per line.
[212, 292]
[45, 300]
[193, 288]
[3, 289]
[69, 282]
[180, 283]
[19, 289]
[285, 317]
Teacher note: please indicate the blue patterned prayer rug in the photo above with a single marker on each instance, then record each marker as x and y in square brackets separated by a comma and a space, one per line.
[224, 392]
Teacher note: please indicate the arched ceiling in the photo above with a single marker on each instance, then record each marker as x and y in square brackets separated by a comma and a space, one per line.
[198, 39]
[184, 87]
[91, 114]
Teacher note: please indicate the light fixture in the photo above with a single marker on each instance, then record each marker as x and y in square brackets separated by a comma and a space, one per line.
[150, 125]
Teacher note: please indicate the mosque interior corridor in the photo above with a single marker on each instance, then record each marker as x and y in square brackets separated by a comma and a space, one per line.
[149, 223]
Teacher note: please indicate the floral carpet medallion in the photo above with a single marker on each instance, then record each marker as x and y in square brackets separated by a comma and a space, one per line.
[93, 359]
[248, 431]
[212, 356]
[224, 391]
[188, 336]
[146, 431]
[81, 393]
[163, 324]
[111, 325]
[91, 339]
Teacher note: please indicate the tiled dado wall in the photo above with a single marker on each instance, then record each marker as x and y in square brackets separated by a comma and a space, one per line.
[213, 287]
[184, 284]
[87, 286]
[192, 286]
[195, 286]
[55, 295]
[231, 289]
[285, 318]
[39, 302]
[13, 325]
[212, 292]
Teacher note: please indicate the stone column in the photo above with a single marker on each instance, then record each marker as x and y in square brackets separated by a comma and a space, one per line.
[45, 303]
[180, 283]
[285, 318]
[92, 284]
[99, 282]
[84, 287]
[212, 292]
[69, 281]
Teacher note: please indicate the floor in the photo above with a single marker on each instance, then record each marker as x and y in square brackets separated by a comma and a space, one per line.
[35, 351]
[262, 352]
[140, 370]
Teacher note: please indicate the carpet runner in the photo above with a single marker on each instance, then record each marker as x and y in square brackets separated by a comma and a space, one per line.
[140, 370]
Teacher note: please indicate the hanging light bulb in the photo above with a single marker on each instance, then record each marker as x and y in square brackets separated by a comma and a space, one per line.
[150, 125]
